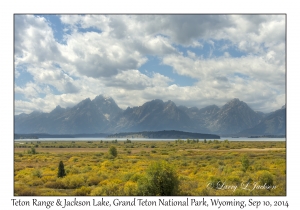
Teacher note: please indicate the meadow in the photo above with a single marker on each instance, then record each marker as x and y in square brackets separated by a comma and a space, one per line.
[133, 168]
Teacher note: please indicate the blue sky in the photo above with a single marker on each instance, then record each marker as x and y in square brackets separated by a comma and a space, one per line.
[193, 60]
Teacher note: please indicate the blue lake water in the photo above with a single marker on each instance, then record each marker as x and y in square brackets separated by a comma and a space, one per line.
[144, 139]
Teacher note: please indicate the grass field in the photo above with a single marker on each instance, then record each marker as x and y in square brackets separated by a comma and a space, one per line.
[211, 168]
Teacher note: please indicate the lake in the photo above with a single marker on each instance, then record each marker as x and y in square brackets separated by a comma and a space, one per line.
[144, 139]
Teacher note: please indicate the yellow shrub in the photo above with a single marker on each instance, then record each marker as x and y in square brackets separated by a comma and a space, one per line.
[130, 188]
[93, 180]
[82, 191]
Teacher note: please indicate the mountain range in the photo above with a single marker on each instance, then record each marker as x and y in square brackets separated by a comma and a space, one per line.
[103, 115]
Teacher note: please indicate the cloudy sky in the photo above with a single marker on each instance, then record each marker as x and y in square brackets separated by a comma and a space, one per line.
[193, 60]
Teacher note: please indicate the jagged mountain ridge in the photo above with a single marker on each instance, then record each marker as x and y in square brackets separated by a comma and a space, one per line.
[88, 116]
[152, 116]
[273, 124]
[102, 115]
[233, 117]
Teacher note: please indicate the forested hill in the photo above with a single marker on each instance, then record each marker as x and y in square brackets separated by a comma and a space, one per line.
[171, 134]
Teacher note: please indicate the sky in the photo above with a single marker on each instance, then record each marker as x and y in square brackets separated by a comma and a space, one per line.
[193, 60]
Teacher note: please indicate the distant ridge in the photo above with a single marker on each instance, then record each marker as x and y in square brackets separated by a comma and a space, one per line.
[171, 134]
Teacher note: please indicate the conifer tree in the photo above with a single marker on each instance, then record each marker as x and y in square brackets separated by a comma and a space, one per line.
[61, 170]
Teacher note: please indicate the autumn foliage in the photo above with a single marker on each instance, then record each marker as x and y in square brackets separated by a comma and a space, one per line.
[181, 167]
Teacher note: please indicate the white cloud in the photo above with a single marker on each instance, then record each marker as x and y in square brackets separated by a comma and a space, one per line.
[106, 60]
[34, 41]
[27, 107]
[226, 54]
[131, 80]
[253, 66]
[48, 74]
[48, 103]
[196, 44]
[31, 90]
[191, 54]
[223, 78]
[95, 55]
[157, 45]
[253, 33]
